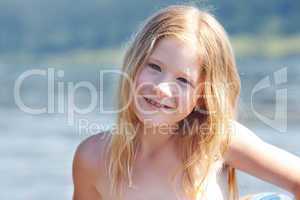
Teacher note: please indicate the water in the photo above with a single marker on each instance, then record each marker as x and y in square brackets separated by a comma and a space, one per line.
[37, 150]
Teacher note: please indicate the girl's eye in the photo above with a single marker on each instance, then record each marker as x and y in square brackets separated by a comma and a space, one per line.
[183, 80]
[155, 67]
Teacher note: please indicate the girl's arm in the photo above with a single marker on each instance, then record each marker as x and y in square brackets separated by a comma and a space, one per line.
[249, 153]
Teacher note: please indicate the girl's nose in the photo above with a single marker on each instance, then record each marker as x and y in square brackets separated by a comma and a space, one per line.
[164, 89]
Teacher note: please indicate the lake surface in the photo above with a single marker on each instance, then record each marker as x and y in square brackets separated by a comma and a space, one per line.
[37, 150]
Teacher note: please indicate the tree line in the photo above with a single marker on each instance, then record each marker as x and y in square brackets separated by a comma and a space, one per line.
[43, 26]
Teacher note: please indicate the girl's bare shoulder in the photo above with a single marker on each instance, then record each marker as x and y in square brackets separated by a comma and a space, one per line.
[88, 165]
[90, 153]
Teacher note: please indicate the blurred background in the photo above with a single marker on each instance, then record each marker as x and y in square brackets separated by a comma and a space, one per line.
[49, 50]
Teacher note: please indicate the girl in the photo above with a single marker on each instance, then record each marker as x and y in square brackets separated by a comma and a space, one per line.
[176, 135]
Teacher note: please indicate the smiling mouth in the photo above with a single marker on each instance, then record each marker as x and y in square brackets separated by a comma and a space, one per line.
[156, 104]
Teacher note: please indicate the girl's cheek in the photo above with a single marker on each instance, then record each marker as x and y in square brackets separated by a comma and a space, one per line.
[183, 102]
[145, 76]
[187, 100]
[184, 92]
[142, 78]
[144, 82]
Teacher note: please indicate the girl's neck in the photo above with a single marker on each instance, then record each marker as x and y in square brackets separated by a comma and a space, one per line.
[152, 140]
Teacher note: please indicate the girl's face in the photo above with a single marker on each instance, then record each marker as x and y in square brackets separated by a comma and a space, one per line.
[167, 86]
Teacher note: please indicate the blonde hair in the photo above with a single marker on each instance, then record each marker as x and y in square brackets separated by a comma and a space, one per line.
[200, 148]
